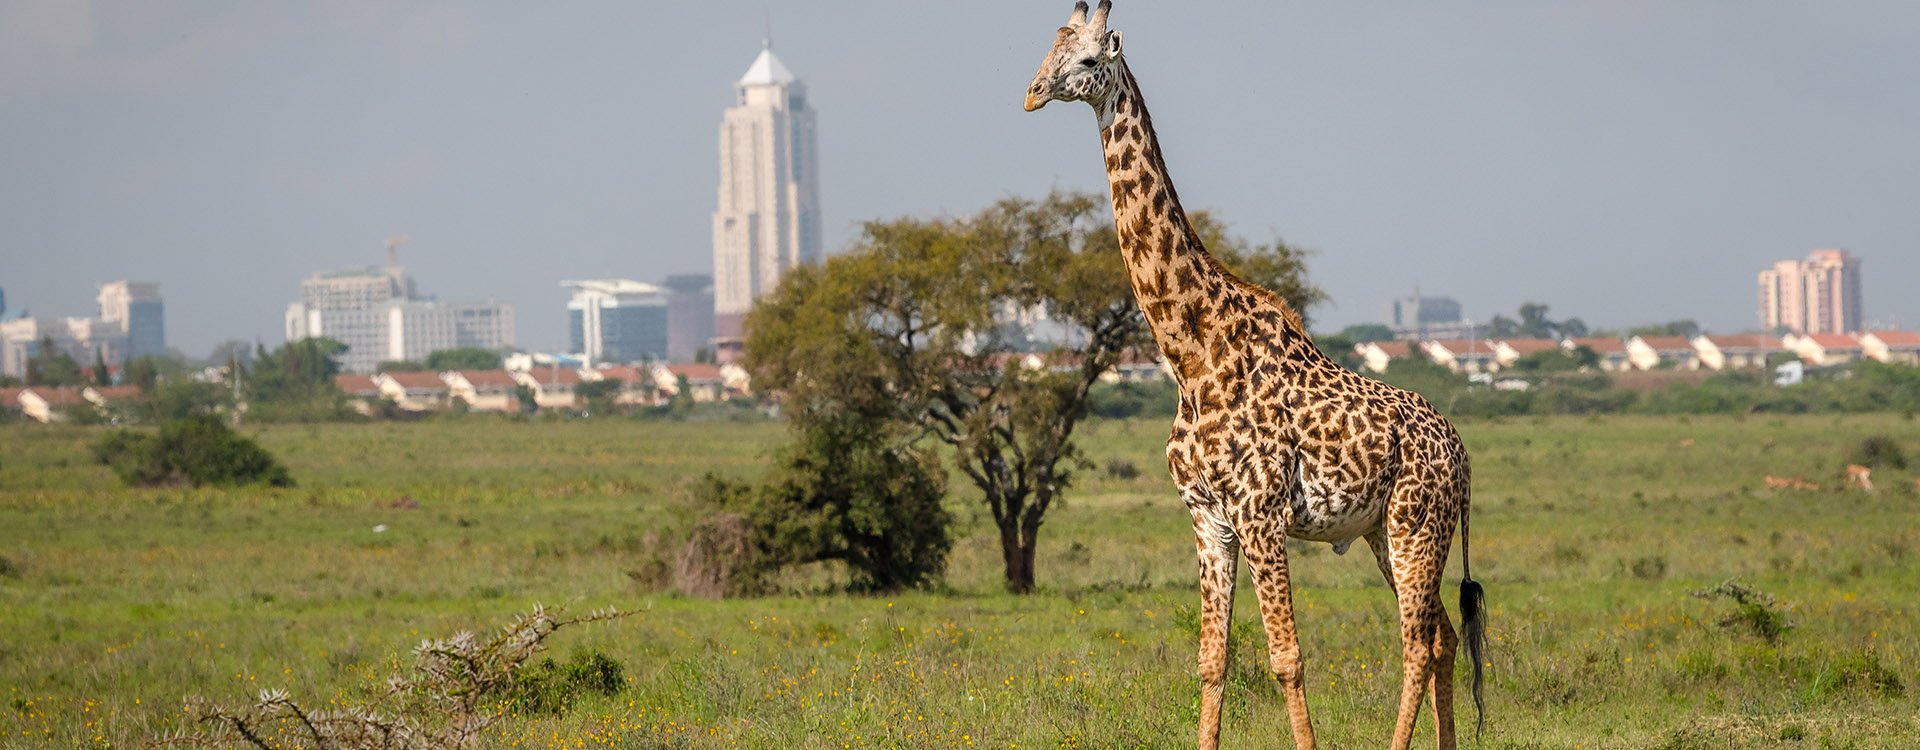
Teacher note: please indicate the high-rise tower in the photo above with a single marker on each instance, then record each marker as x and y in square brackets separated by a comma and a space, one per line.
[768, 219]
[1818, 295]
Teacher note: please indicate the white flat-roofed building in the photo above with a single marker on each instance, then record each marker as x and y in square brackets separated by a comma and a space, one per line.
[380, 315]
[617, 320]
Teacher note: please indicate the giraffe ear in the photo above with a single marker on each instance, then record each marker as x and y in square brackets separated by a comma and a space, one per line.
[1113, 44]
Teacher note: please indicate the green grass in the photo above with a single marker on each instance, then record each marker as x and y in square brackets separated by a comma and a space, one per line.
[1589, 535]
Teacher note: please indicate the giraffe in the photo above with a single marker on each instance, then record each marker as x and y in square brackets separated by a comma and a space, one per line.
[1271, 438]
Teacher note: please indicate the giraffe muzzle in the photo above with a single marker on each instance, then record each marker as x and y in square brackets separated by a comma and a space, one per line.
[1037, 97]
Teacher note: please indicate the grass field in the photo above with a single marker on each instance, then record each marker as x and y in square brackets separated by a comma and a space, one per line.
[1588, 534]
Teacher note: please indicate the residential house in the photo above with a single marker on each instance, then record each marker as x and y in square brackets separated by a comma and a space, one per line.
[356, 386]
[482, 390]
[636, 386]
[1662, 352]
[1612, 351]
[738, 382]
[46, 405]
[1823, 349]
[704, 382]
[109, 398]
[413, 391]
[1892, 347]
[552, 385]
[1508, 351]
[1735, 352]
[1462, 355]
[1375, 356]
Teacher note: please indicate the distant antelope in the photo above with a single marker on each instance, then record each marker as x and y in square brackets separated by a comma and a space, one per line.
[1861, 475]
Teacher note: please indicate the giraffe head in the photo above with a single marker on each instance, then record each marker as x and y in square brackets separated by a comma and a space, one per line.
[1083, 66]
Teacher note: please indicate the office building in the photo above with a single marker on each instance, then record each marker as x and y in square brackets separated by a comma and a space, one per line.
[768, 217]
[379, 314]
[1820, 294]
[689, 315]
[617, 320]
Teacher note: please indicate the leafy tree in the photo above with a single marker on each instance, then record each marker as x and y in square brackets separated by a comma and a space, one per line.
[401, 365]
[295, 382]
[181, 397]
[102, 375]
[52, 366]
[1686, 328]
[232, 350]
[1364, 332]
[908, 329]
[463, 358]
[529, 401]
[850, 490]
[1502, 327]
[599, 395]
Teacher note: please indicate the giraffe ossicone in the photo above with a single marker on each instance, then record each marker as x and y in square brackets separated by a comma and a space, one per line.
[1271, 438]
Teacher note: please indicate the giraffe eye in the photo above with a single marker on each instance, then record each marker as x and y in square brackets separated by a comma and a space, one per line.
[1087, 63]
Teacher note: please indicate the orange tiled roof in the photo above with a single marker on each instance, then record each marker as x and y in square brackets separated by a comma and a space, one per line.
[489, 378]
[1834, 340]
[1462, 346]
[1393, 349]
[1745, 341]
[555, 375]
[1600, 344]
[1898, 338]
[1667, 343]
[352, 384]
[62, 396]
[695, 371]
[418, 380]
[1524, 347]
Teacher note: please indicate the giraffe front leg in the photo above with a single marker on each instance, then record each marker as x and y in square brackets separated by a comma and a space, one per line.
[1219, 567]
[1267, 558]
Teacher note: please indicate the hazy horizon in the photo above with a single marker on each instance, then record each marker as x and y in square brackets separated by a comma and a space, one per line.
[1625, 162]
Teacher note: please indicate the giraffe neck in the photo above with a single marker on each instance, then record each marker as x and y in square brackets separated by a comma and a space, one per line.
[1181, 288]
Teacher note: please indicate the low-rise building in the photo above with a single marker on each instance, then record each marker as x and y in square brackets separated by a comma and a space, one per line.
[1824, 349]
[1738, 351]
[1611, 351]
[413, 391]
[704, 382]
[47, 405]
[1462, 355]
[1662, 352]
[483, 390]
[1891, 347]
[553, 386]
[636, 385]
[1508, 351]
[1376, 356]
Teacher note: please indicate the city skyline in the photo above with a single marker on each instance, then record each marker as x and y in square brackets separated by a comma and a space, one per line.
[1490, 154]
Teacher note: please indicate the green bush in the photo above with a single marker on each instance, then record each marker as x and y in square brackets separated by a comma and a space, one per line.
[1878, 452]
[1753, 612]
[550, 687]
[197, 450]
[847, 492]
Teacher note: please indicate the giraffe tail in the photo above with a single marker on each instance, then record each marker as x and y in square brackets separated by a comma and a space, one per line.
[1473, 621]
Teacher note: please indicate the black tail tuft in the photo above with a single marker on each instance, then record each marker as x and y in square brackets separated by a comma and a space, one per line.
[1473, 620]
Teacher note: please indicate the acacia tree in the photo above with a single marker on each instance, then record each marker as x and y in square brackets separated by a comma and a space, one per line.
[928, 324]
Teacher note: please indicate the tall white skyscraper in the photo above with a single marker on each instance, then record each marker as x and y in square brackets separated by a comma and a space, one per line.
[768, 218]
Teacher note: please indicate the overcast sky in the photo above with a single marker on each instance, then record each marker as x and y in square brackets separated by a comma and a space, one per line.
[1625, 161]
